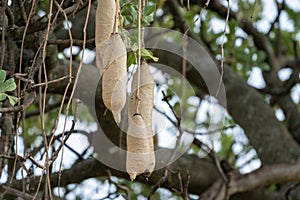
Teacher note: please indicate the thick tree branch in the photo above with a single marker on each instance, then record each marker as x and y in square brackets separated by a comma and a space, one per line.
[292, 115]
[201, 178]
[265, 176]
[14, 193]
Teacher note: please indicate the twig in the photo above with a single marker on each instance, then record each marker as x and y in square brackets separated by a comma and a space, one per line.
[211, 131]
[35, 162]
[180, 181]
[204, 147]
[253, 9]
[183, 190]
[166, 99]
[212, 154]
[165, 173]
[42, 104]
[279, 10]
[7, 156]
[70, 76]
[55, 154]
[51, 82]
[39, 184]
[68, 41]
[23, 39]
[186, 186]
[218, 165]
[22, 107]
[22, 10]
[48, 108]
[66, 90]
[165, 114]
[81, 156]
[158, 184]
[10, 16]
[201, 10]
[76, 79]
[119, 186]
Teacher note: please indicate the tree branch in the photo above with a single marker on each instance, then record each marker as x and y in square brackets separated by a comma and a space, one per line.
[15, 193]
[200, 179]
[265, 176]
[30, 99]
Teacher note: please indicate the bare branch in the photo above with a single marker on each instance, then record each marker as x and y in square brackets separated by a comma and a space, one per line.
[15, 193]
[267, 175]
[28, 102]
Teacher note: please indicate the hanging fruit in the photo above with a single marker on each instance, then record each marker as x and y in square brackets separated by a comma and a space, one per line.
[111, 57]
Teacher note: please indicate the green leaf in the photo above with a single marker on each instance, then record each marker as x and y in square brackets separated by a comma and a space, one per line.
[12, 100]
[147, 20]
[71, 110]
[149, 9]
[169, 92]
[2, 96]
[147, 54]
[195, 149]
[226, 141]
[2, 76]
[8, 85]
[131, 58]
[264, 67]
[272, 188]
[129, 12]
[177, 107]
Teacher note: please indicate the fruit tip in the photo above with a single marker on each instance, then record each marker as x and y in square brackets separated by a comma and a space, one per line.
[132, 176]
[117, 116]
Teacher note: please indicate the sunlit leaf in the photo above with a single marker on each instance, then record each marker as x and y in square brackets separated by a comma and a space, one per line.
[149, 9]
[8, 85]
[131, 58]
[12, 100]
[2, 76]
[2, 96]
[147, 54]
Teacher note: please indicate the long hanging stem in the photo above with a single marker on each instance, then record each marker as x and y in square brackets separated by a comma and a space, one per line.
[139, 57]
[115, 28]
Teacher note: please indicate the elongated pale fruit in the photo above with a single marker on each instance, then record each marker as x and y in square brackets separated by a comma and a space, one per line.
[146, 93]
[111, 58]
[105, 19]
[140, 147]
[111, 61]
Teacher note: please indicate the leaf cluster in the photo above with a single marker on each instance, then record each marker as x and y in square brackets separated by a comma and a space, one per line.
[6, 86]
